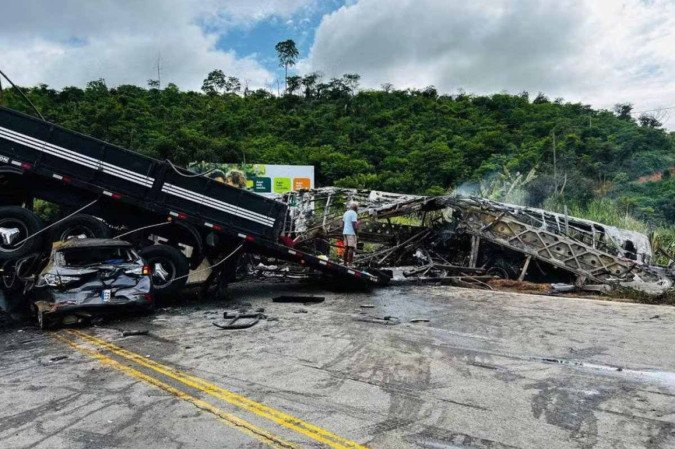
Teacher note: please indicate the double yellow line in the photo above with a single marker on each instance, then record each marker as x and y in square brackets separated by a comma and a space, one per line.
[276, 416]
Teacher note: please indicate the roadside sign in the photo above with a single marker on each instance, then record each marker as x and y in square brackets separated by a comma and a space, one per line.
[265, 179]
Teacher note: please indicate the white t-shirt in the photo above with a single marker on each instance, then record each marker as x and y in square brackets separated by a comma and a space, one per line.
[349, 218]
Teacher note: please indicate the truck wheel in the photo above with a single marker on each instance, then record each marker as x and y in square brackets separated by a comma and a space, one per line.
[17, 223]
[169, 268]
[80, 226]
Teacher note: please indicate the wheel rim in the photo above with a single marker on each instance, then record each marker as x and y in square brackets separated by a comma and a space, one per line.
[13, 230]
[77, 232]
[499, 271]
[163, 272]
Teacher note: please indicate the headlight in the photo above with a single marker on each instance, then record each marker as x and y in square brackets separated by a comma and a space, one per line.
[54, 280]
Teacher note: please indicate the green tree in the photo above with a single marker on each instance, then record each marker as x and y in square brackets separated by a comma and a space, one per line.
[288, 54]
[293, 83]
[214, 82]
[623, 110]
[309, 82]
[648, 121]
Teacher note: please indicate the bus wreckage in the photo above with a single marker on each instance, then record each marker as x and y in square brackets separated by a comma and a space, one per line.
[470, 240]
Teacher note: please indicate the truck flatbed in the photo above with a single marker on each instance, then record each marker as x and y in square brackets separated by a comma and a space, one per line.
[69, 168]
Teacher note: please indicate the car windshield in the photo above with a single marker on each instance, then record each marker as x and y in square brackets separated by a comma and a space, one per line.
[82, 257]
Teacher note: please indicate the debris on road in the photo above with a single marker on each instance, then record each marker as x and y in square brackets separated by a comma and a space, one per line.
[131, 333]
[386, 320]
[239, 320]
[299, 299]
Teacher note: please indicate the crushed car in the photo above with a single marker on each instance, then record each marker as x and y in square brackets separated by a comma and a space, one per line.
[87, 277]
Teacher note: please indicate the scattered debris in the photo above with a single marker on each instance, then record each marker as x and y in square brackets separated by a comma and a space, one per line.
[237, 320]
[387, 320]
[470, 241]
[300, 311]
[130, 333]
[299, 299]
[559, 287]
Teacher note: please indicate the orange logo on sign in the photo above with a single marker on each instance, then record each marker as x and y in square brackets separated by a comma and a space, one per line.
[301, 183]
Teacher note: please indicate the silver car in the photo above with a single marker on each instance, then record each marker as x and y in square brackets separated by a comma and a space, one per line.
[86, 277]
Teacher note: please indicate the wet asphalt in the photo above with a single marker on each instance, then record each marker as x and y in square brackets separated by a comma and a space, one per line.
[487, 370]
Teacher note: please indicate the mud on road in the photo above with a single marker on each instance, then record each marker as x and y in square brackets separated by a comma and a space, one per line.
[487, 370]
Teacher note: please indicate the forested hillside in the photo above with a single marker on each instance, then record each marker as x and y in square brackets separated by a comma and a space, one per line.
[415, 141]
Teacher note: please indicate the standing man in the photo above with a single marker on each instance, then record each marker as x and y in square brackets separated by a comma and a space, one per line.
[350, 220]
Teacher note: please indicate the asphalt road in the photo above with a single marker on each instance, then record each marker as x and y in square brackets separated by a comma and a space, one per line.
[489, 370]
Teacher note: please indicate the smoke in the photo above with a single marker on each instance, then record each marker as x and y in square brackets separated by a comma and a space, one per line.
[504, 186]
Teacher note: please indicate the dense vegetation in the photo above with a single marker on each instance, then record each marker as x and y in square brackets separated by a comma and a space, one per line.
[414, 141]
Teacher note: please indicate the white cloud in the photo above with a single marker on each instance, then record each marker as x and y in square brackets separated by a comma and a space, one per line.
[599, 52]
[69, 42]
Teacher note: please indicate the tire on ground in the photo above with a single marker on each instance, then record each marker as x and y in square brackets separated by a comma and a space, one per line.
[80, 225]
[169, 268]
[15, 218]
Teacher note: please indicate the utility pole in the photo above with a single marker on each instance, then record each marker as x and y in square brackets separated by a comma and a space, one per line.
[555, 167]
[159, 70]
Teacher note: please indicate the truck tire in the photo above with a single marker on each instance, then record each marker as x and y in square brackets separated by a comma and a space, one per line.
[17, 223]
[169, 268]
[78, 226]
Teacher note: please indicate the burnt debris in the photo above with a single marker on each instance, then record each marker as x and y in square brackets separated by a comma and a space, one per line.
[469, 240]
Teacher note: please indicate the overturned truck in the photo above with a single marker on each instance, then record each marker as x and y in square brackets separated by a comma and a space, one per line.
[416, 237]
[178, 220]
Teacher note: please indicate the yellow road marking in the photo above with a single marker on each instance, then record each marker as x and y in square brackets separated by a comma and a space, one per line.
[228, 418]
[281, 418]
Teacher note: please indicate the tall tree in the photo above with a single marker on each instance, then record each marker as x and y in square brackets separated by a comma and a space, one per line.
[288, 54]
[214, 82]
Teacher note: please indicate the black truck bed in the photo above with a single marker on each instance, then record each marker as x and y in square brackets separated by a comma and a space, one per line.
[53, 153]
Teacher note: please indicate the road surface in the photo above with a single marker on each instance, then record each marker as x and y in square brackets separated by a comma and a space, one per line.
[488, 370]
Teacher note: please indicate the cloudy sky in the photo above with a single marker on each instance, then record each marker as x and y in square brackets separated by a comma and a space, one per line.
[599, 52]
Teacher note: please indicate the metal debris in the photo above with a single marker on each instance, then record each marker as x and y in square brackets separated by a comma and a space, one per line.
[387, 320]
[299, 299]
[467, 241]
[130, 333]
[238, 320]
